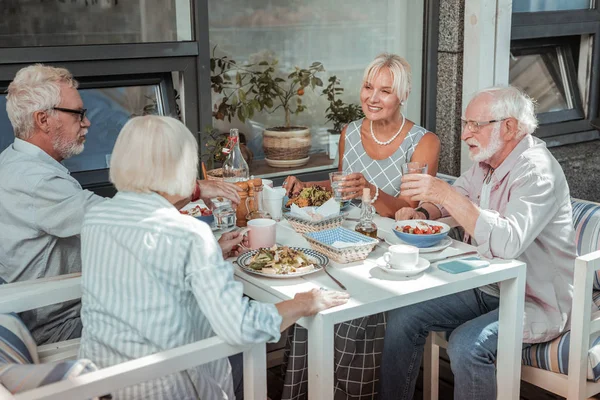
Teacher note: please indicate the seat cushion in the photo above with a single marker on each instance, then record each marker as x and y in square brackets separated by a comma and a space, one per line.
[586, 220]
[19, 378]
[554, 355]
[16, 343]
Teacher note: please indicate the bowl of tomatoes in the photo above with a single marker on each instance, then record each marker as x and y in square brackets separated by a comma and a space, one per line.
[420, 232]
[199, 212]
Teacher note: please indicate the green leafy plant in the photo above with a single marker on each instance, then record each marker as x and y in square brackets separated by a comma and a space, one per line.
[339, 112]
[259, 87]
[213, 141]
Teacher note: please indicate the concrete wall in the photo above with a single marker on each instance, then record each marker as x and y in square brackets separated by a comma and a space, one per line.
[580, 162]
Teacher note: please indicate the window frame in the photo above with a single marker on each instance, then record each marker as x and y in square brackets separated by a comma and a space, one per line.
[555, 25]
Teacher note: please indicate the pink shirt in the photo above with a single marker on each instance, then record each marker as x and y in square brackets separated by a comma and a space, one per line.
[529, 218]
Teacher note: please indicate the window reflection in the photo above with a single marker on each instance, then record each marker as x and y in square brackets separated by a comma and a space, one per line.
[549, 5]
[108, 110]
[344, 39]
[27, 23]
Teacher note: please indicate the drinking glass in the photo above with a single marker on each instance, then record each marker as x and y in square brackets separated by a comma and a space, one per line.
[414, 168]
[335, 178]
[223, 212]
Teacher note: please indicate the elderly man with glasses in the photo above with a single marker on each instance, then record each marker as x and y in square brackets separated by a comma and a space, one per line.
[41, 204]
[513, 203]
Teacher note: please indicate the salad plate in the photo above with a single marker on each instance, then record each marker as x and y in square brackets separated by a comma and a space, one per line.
[252, 261]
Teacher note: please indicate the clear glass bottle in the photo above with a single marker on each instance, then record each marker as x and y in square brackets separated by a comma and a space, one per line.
[365, 225]
[235, 168]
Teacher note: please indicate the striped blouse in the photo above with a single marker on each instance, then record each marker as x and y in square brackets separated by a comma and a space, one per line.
[154, 279]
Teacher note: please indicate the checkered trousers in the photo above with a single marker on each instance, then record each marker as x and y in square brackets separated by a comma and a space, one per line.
[357, 359]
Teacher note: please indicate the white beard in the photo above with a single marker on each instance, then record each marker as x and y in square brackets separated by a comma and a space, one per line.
[492, 148]
[66, 149]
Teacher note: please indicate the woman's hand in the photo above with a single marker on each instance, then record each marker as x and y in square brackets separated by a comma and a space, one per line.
[425, 188]
[352, 185]
[317, 300]
[406, 213]
[293, 186]
[211, 189]
[230, 243]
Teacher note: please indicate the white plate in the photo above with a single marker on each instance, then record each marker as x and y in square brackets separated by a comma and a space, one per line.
[392, 239]
[320, 261]
[287, 163]
[422, 265]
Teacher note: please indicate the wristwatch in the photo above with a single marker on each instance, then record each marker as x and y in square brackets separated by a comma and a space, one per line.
[424, 211]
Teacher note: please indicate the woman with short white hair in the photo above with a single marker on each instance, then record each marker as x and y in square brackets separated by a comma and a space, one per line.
[155, 279]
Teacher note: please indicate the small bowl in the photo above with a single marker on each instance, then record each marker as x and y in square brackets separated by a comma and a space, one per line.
[420, 240]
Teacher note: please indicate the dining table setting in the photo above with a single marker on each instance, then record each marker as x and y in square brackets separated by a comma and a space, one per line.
[339, 258]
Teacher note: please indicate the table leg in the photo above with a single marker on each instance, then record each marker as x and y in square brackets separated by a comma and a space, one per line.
[320, 359]
[255, 372]
[510, 336]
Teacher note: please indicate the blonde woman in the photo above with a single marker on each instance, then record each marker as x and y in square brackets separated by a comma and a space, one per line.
[154, 279]
[372, 149]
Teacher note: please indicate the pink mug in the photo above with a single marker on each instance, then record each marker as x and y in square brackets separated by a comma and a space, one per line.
[261, 233]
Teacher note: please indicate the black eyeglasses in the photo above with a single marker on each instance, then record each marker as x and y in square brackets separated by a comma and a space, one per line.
[81, 112]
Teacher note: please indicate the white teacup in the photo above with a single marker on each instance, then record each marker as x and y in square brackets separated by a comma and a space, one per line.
[402, 256]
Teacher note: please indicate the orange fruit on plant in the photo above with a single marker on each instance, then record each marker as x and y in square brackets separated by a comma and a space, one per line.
[300, 92]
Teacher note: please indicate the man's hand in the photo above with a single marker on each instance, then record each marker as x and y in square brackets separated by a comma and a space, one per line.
[425, 188]
[230, 243]
[210, 189]
[406, 213]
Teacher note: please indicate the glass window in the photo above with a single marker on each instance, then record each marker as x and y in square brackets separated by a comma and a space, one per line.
[297, 34]
[76, 22]
[547, 71]
[550, 5]
[108, 110]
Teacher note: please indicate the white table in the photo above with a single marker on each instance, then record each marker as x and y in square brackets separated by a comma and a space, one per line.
[373, 291]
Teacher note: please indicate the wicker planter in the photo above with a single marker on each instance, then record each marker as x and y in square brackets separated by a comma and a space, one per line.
[214, 174]
[287, 147]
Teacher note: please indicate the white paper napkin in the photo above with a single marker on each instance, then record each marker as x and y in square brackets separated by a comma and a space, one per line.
[329, 209]
[342, 245]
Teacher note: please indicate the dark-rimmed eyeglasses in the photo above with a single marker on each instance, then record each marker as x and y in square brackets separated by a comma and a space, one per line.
[474, 126]
[81, 112]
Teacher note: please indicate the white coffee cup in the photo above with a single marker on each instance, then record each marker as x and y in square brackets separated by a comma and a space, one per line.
[402, 256]
[261, 233]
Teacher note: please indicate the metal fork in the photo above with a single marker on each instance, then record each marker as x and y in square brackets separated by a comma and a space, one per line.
[335, 280]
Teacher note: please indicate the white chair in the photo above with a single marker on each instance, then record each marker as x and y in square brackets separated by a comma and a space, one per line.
[22, 296]
[575, 385]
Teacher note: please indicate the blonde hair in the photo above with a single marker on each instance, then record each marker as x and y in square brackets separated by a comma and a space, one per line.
[34, 88]
[511, 102]
[400, 70]
[155, 154]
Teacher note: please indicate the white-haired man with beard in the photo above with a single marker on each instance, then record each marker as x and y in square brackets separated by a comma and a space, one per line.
[41, 204]
[513, 203]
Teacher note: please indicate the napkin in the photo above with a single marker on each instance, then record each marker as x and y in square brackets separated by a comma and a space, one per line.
[342, 245]
[463, 265]
[330, 208]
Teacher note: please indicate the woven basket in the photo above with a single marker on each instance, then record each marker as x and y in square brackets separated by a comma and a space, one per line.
[346, 255]
[286, 145]
[303, 226]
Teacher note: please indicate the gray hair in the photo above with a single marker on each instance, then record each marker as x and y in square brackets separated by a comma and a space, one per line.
[35, 88]
[511, 102]
[399, 68]
[155, 154]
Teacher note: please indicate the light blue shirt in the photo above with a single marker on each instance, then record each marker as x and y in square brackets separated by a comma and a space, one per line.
[154, 279]
[41, 212]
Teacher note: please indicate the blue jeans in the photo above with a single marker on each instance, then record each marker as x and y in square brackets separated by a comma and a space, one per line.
[471, 316]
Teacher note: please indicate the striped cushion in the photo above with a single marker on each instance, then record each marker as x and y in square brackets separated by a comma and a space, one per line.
[20, 378]
[554, 355]
[16, 343]
[586, 220]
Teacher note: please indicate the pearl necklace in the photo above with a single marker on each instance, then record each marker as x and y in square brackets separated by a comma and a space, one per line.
[393, 137]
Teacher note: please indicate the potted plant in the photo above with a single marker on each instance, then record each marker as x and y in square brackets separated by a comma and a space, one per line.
[339, 112]
[251, 88]
[213, 156]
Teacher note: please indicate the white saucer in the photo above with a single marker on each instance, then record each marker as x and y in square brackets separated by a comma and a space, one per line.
[287, 163]
[422, 265]
[391, 239]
